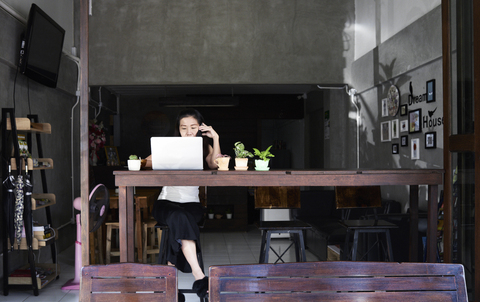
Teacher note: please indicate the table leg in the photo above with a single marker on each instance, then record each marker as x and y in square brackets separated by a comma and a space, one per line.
[413, 223]
[138, 230]
[432, 223]
[126, 227]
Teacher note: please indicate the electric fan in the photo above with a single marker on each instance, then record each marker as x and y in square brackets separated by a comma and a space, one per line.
[98, 205]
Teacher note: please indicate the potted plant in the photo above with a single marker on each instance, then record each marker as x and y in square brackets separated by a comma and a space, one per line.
[134, 163]
[210, 214]
[241, 156]
[262, 163]
[228, 213]
[222, 161]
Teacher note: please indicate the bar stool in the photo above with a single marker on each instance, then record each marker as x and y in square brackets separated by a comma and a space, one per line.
[149, 228]
[280, 198]
[108, 250]
[295, 227]
[364, 197]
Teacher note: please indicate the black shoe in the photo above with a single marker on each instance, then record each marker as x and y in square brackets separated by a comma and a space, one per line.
[181, 297]
[201, 287]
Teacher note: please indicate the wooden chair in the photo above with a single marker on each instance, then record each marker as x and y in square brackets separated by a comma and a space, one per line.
[364, 197]
[129, 282]
[280, 198]
[149, 237]
[338, 281]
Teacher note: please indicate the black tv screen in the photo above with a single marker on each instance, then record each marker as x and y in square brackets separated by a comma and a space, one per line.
[41, 48]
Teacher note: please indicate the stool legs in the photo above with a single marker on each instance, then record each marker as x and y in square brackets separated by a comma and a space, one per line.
[108, 253]
[352, 253]
[153, 248]
[300, 254]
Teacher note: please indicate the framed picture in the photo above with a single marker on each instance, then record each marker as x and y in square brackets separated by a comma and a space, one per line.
[404, 126]
[415, 120]
[415, 148]
[404, 141]
[112, 156]
[431, 91]
[385, 131]
[395, 129]
[384, 107]
[394, 148]
[403, 110]
[430, 140]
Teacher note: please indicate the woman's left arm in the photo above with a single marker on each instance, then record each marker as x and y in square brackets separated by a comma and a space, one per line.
[215, 150]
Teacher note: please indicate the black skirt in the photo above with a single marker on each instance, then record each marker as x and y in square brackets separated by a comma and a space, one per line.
[182, 220]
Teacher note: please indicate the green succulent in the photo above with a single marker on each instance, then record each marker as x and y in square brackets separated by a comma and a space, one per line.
[263, 154]
[240, 151]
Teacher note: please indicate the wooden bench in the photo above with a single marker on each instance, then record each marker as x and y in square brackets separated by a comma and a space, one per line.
[338, 281]
[129, 282]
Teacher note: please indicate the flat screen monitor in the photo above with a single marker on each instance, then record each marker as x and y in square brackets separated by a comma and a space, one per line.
[41, 48]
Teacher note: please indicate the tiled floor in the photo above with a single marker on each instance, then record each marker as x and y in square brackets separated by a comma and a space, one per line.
[218, 248]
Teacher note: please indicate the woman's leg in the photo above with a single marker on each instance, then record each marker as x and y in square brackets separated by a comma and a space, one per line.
[190, 252]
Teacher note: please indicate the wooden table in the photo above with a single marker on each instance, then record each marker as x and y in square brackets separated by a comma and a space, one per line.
[126, 180]
[144, 199]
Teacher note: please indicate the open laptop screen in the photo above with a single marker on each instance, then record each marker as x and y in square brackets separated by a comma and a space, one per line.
[177, 153]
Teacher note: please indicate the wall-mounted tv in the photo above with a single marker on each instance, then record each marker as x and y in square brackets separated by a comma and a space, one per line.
[41, 48]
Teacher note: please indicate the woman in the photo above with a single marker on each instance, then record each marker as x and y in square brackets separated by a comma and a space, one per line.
[179, 207]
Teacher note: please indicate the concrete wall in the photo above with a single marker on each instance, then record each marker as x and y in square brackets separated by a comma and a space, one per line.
[52, 106]
[413, 55]
[218, 41]
[379, 20]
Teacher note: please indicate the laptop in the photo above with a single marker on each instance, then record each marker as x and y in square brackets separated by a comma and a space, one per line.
[177, 153]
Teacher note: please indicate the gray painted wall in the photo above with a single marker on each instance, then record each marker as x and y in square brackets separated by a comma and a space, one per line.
[412, 55]
[52, 106]
[217, 41]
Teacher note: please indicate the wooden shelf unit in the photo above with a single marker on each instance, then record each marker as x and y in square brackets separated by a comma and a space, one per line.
[51, 197]
[47, 164]
[25, 125]
[30, 126]
[40, 282]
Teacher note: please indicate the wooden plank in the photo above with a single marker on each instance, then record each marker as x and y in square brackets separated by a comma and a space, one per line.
[365, 283]
[338, 281]
[277, 197]
[84, 95]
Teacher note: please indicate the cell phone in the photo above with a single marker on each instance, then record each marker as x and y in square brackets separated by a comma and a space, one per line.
[199, 133]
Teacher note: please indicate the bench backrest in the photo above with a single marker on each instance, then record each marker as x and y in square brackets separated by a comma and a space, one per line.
[129, 282]
[338, 281]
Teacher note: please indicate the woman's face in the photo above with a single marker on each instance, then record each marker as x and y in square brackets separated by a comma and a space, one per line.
[188, 126]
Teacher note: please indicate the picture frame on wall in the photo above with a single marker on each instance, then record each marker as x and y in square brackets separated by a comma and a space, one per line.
[430, 140]
[404, 126]
[394, 148]
[403, 110]
[385, 131]
[430, 91]
[384, 107]
[404, 141]
[415, 148]
[415, 120]
[395, 130]
[112, 156]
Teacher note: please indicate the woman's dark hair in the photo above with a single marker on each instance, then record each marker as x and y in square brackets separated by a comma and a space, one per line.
[199, 117]
[187, 113]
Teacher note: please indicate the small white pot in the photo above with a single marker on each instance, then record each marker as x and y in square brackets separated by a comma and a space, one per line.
[229, 215]
[261, 165]
[210, 215]
[241, 162]
[134, 164]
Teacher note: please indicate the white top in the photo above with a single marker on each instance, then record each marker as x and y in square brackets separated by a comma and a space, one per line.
[181, 194]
